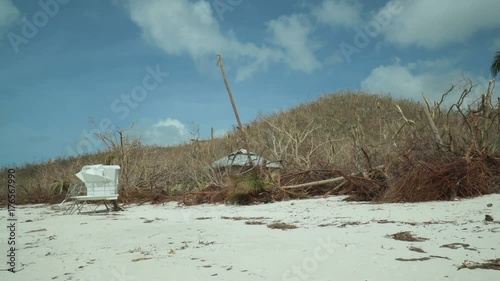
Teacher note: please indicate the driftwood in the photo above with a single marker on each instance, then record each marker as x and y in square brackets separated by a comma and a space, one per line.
[434, 129]
[321, 182]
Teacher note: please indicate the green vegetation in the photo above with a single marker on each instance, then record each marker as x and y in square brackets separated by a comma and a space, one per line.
[495, 65]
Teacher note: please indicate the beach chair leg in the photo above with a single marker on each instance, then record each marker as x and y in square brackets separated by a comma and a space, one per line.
[96, 207]
[80, 206]
[71, 209]
[76, 208]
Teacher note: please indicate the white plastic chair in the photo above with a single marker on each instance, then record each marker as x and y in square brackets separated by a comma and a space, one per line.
[101, 182]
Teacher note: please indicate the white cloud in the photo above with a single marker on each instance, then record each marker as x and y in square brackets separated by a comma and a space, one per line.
[433, 24]
[432, 78]
[182, 27]
[179, 26]
[292, 34]
[163, 132]
[338, 13]
[394, 79]
[8, 14]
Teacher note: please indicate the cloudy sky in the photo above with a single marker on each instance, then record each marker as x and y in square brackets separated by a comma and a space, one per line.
[153, 63]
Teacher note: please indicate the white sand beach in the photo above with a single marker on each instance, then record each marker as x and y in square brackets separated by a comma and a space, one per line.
[334, 240]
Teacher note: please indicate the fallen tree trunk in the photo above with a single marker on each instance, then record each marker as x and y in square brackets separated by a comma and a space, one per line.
[321, 182]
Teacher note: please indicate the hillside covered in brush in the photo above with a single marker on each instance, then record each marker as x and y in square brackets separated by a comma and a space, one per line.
[346, 131]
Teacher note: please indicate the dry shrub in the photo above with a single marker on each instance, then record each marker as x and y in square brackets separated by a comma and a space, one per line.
[330, 132]
[440, 178]
[313, 136]
[369, 187]
[348, 131]
[35, 194]
[266, 196]
[309, 176]
[210, 194]
[456, 156]
[240, 189]
[493, 164]
[143, 195]
[248, 188]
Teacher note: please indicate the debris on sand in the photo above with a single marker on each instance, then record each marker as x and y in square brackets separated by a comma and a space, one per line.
[243, 218]
[489, 264]
[37, 230]
[351, 223]
[281, 225]
[406, 236]
[415, 249]
[455, 246]
[423, 258]
[203, 218]
[141, 259]
[253, 222]
[325, 224]
[414, 259]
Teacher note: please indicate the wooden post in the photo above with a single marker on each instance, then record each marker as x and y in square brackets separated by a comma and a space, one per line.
[240, 126]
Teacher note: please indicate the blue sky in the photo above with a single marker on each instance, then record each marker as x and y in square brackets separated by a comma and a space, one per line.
[153, 63]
